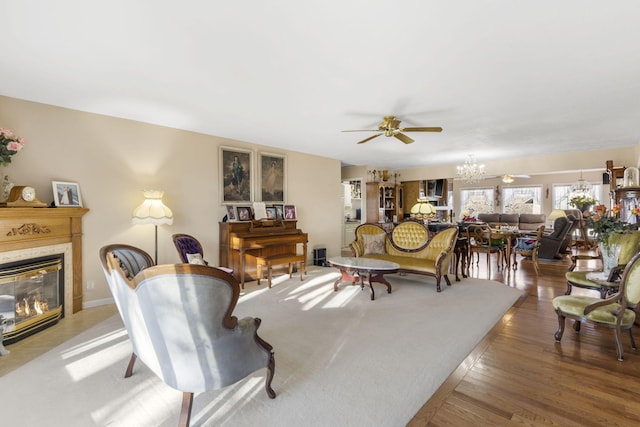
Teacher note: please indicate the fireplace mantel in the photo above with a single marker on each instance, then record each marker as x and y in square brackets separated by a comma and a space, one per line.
[26, 228]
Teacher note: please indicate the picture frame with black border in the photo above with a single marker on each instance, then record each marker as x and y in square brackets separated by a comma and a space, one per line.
[236, 175]
[244, 213]
[279, 211]
[66, 194]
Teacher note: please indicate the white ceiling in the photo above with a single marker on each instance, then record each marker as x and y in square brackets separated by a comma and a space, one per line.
[503, 78]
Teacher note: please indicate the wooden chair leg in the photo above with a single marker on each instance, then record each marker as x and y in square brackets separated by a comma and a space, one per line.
[269, 275]
[302, 267]
[132, 362]
[185, 411]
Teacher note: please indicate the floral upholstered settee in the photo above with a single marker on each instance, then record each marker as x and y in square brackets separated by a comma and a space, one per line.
[409, 246]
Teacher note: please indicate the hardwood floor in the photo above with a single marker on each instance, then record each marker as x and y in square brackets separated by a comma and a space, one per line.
[516, 375]
[519, 375]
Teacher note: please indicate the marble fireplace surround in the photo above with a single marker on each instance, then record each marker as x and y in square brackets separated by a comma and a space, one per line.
[34, 232]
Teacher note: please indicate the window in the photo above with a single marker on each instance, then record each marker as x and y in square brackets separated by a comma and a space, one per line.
[562, 194]
[522, 199]
[476, 200]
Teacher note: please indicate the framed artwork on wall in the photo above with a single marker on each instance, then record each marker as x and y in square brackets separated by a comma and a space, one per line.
[273, 174]
[289, 212]
[244, 213]
[66, 194]
[231, 213]
[236, 173]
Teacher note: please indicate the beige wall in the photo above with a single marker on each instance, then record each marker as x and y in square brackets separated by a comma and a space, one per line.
[113, 160]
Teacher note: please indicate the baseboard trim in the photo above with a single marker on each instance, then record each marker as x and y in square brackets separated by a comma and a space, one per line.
[97, 303]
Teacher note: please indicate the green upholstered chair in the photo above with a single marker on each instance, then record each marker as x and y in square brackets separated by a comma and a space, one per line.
[629, 246]
[615, 312]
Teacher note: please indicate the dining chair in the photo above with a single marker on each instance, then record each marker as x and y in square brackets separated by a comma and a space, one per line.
[479, 241]
[615, 312]
[528, 247]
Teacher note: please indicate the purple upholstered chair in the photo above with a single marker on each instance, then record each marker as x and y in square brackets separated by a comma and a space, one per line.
[190, 251]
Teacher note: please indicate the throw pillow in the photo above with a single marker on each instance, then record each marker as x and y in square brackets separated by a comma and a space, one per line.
[195, 259]
[374, 243]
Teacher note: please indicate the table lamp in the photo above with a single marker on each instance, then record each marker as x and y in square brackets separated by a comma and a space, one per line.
[153, 211]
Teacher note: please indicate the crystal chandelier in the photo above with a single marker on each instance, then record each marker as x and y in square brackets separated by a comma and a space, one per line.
[581, 186]
[471, 172]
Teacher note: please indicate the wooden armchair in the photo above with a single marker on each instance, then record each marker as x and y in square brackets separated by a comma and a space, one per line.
[160, 306]
[479, 241]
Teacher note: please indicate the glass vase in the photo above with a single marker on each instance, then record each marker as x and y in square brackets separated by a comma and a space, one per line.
[610, 255]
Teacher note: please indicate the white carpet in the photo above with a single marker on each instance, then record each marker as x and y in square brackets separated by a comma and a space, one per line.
[341, 360]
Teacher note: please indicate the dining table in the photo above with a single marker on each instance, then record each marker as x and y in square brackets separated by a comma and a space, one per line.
[509, 235]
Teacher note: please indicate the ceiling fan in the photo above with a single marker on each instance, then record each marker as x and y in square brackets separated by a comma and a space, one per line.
[390, 126]
[508, 178]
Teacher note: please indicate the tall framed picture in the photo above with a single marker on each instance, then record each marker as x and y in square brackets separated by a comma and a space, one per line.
[273, 174]
[279, 211]
[231, 213]
[236, 173]
[289, 212]
[66, 194]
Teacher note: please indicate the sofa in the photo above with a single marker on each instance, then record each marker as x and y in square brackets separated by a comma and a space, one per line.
[409, 246]
[526, 222]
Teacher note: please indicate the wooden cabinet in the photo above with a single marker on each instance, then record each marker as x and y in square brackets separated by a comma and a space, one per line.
[382, 202]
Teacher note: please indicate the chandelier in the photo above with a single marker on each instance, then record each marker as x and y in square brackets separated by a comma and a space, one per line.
[581, 186]
[470, 172]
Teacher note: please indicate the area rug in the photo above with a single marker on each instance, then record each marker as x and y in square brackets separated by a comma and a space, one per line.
[341, 359]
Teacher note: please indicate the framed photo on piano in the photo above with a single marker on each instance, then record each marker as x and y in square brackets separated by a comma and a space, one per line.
[236, 175]
[231, 213]
[289, 212]
[279, 211]
[244, 213]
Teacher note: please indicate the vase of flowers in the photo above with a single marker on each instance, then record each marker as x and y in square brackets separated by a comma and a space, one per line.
[605, 223]
[583, 202]
[10, 144]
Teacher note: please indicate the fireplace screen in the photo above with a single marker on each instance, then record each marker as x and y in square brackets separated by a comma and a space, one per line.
[31, 296]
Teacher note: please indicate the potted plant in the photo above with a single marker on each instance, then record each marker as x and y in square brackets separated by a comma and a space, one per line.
[582, 202]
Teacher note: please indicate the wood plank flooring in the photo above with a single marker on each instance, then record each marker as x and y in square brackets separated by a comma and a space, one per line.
[516, 375]
[519, 375]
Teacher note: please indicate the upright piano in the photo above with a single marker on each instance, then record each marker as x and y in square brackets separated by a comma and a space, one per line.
[241, 242]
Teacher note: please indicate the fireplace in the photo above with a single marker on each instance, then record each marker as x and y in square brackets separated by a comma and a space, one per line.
[50, 238]
[31, 296]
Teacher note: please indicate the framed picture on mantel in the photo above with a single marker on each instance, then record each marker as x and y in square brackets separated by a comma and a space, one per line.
[66, 194]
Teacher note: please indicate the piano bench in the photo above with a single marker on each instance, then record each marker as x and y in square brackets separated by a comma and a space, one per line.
[279, 259]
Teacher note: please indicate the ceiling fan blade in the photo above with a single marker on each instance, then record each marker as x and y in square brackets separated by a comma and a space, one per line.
[403, 138]
[370, 138]
[362, 130]
[422, 129]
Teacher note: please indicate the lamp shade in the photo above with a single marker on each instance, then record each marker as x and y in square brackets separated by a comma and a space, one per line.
[152, 210]
[423, 210]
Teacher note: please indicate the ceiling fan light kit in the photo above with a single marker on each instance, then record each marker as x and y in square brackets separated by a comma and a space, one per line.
[390, 126]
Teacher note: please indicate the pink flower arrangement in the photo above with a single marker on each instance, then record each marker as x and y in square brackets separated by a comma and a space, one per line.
[10, 144]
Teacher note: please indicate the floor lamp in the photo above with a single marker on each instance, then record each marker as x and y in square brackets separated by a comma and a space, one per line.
[153, 211]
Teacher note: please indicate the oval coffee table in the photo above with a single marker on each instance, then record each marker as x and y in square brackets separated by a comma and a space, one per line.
[363, 270]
